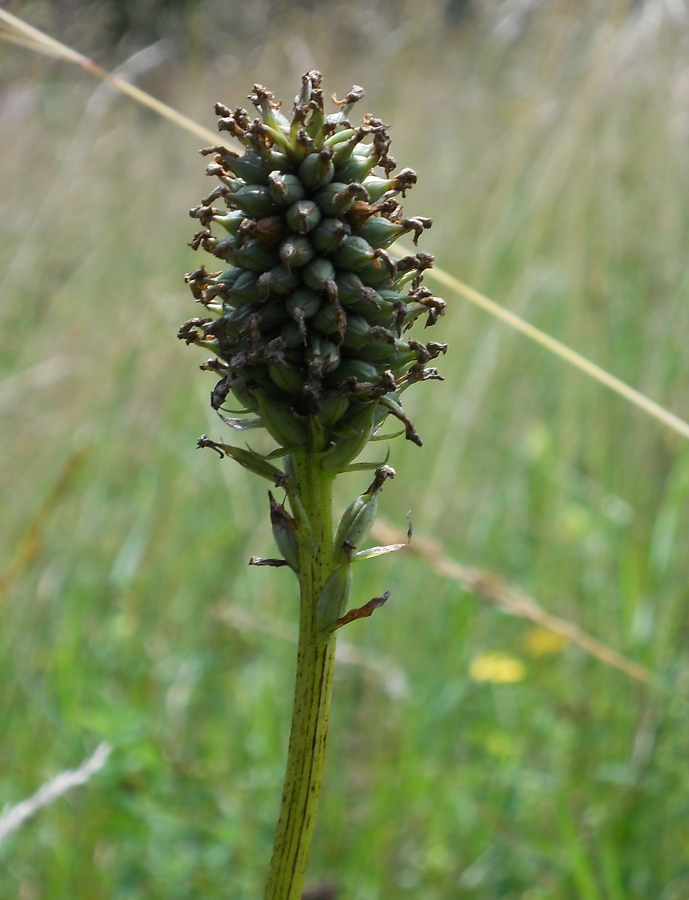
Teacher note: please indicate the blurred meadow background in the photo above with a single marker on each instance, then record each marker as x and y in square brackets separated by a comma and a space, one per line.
[552, 141]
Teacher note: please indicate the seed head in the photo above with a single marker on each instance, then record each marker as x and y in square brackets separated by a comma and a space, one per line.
[309, 324]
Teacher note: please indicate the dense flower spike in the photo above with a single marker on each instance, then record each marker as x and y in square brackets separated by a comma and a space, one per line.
[309, 334]
[309, 325]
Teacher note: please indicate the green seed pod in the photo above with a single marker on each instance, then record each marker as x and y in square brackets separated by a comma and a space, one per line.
[273, 316]
[374, 274]
[286, 189]
[245, 289]
[288, 378]
[354, 253]
[304, 299]
[275, 161]
[318, 273]
[334, 597]
[278, 280]
[379, 232]
[329, 234]
[325, 320]
[357, 332]
[317, 169]
[381, 312]
[227, 278]
[353, 368]
[256, 256]
[291, 335]
[353, 433]
[303, 216]
[401, 183]
[350, 288]
[356, 168]
[224, 249]
[376, 351]
[345, 149]
[296, 251]
[231, 221]
[322, 356]
[244, 396]
[359, 517]
[249, 167]
[285, 532]
[336, 198]
[280, 422]
[332, 411]
[255, 200]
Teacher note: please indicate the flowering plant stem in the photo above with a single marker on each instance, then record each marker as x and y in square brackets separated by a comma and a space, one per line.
[315, 662]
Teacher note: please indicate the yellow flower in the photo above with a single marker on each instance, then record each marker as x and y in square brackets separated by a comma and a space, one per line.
[499, 668]
[540, 642]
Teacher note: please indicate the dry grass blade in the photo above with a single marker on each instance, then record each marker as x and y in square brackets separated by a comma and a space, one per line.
[562, 350]
[509, 598]
[43, 43]
[12, 37]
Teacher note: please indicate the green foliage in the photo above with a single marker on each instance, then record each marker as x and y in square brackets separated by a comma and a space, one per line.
[557, 187]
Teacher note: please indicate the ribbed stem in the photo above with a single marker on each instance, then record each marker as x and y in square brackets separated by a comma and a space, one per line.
[313, 689]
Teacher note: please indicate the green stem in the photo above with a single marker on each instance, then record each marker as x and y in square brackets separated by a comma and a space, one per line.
[315, 660]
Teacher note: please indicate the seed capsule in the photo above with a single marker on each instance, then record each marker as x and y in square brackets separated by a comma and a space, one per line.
[256, 256]
[291, 335]
[273, 316]
[285, 532]
[325, 320]
[287, 430]
[278, 281]
[374, 274]
[288, 378]
[250, 167]
[304, 299]
[244, 290]
[364, 372]
[354, 253]
[286, 189]
[334, 597]
[329, 234]
[356, 168]
[333, 410]
[317, 169]
[337, 197]
[357, 332]
[255, 200]
[303, 216]
[231, 221]
[319, 274]
[378, 187]
[296, 251]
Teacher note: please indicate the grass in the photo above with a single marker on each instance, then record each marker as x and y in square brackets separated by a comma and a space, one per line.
[556, 177]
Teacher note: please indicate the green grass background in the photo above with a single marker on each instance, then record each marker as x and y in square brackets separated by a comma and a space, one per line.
[552, 146]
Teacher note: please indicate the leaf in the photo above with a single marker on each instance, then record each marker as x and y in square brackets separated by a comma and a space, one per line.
[251, 460]
[275, 563]
[241, 424]
[376, 551]
[362, 467]
[387, 437]
[362, 612]
[334, 597]
[276, 454]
